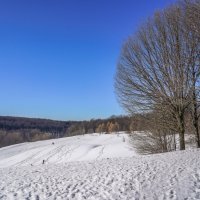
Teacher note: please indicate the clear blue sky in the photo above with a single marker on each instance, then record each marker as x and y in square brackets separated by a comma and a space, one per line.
[58, 57]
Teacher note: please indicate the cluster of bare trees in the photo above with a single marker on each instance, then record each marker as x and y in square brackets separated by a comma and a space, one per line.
[108, 127]
[159, 71]
[19, 136]
[111, 124]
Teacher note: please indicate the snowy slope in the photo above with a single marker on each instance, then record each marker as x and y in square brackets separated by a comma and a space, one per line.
[77, 148]
[163, 176]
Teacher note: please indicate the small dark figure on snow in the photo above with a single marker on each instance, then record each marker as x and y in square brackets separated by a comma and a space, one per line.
[43, 161]
[53, 143]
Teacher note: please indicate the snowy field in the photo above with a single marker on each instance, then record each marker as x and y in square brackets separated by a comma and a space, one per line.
[96, 167]
[77, 148]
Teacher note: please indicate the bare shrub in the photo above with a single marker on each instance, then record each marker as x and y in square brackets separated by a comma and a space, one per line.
[150, 143]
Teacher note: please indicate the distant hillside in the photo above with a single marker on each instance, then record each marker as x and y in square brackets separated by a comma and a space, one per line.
[15, 130]
[44, 125]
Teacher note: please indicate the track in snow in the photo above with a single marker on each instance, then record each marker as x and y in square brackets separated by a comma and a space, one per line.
[77, 148]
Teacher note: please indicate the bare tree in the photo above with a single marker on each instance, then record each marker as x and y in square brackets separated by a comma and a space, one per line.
[192, 10]
[192, 21]
[153, 69]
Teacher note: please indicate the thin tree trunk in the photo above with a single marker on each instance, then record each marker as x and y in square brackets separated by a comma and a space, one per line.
[174, 141]
[197, 133]
[195, 121]
[182, 132]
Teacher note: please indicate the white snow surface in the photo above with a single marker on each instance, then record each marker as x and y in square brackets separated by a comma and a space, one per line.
[96, 167]
[77, 148]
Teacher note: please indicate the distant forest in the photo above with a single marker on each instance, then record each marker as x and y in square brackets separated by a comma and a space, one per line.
[15, 130]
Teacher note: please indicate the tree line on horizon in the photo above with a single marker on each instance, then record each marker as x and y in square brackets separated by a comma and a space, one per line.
[15, 130]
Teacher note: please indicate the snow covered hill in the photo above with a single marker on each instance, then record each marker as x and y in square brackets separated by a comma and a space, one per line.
[96, 167]
[77, 148]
